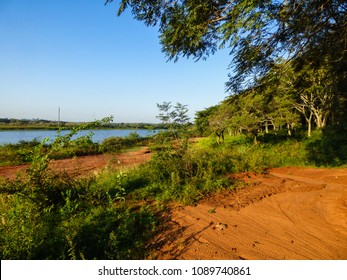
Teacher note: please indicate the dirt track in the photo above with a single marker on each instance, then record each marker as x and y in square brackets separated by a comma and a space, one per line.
[84, 165]
[289, 213]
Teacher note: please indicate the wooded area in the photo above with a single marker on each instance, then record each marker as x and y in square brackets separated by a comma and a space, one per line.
[288, 66]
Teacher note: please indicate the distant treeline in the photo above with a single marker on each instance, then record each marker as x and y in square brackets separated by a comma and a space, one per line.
[10, 123]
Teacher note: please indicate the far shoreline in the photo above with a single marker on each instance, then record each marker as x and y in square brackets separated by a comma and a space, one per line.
[70, 127]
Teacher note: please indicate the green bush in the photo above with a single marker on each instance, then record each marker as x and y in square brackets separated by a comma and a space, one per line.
[117, 144]
[96, 232]
[112, 144]
[181, 174]
[13, 154]
[328, 147]
[52, 216]
[246, 156]
[82, 146]
[114, 233]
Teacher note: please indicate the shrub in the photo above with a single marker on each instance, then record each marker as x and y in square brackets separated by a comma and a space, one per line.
[328, 147]
[182, 174]
[12, 154]
[117, 144]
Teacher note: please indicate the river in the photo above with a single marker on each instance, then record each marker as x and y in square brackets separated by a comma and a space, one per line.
[14, 136]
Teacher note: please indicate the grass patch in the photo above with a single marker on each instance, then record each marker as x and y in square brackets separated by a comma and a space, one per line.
[53, 216]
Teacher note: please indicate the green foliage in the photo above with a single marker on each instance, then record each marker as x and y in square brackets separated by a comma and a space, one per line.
[246, 156]
[284, 55]
[83, 226]
[328, 147]
[229, 142]
[175, 118]
[118, 144]
[113, 233]
[182, 174]
[82, 146]
[288, 97]
[17, 153]
[66, 146]
[49, 215]
[258, 33]
[202, 120]
[187, 173]
[14, 154]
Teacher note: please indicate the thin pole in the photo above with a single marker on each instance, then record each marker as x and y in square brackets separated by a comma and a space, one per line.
[59, 117]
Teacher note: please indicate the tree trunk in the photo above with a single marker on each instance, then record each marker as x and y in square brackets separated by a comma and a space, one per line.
[319, 120]
[309, 127]
[289, 129]
[220, 136]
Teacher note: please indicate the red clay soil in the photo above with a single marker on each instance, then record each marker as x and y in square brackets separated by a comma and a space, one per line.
[85, 165]
[288, 213]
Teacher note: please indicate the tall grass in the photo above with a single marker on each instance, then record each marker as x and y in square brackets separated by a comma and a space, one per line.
[247, 156]
[181, 174]
[68, 232]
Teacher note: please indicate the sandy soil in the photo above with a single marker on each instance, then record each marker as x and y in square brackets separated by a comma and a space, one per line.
[287, 213]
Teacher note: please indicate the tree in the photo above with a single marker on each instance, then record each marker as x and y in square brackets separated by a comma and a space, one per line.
[166, 116]
[174, 117]
[282, 112]
[317, 94]
[249, 113]
[313, 92]
[202, 120]
[277, 100]
[258, 32]
[218, 121]
[180, 114]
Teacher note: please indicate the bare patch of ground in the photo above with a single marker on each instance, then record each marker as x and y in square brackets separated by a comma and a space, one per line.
[287, 213]
[85, 165]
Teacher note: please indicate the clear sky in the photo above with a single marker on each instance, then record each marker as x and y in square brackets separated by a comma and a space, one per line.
[79, 56]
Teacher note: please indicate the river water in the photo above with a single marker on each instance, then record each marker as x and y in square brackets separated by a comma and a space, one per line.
[14, 136]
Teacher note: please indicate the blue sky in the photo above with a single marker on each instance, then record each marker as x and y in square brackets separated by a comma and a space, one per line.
[79, 56]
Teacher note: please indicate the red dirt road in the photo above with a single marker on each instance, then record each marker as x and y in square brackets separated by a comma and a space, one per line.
[289, 213]
[85, 165]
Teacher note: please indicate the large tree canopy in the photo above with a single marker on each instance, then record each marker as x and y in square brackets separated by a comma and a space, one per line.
[258, 32]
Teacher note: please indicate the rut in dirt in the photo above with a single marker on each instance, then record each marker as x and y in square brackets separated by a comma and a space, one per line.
[289, 213]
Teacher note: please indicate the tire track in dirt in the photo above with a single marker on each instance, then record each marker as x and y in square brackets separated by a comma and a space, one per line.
[288, 213]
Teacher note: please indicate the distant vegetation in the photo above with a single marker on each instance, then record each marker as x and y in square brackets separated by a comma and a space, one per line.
[11, 124]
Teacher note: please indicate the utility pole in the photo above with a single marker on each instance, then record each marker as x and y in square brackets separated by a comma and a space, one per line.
[58, 117]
